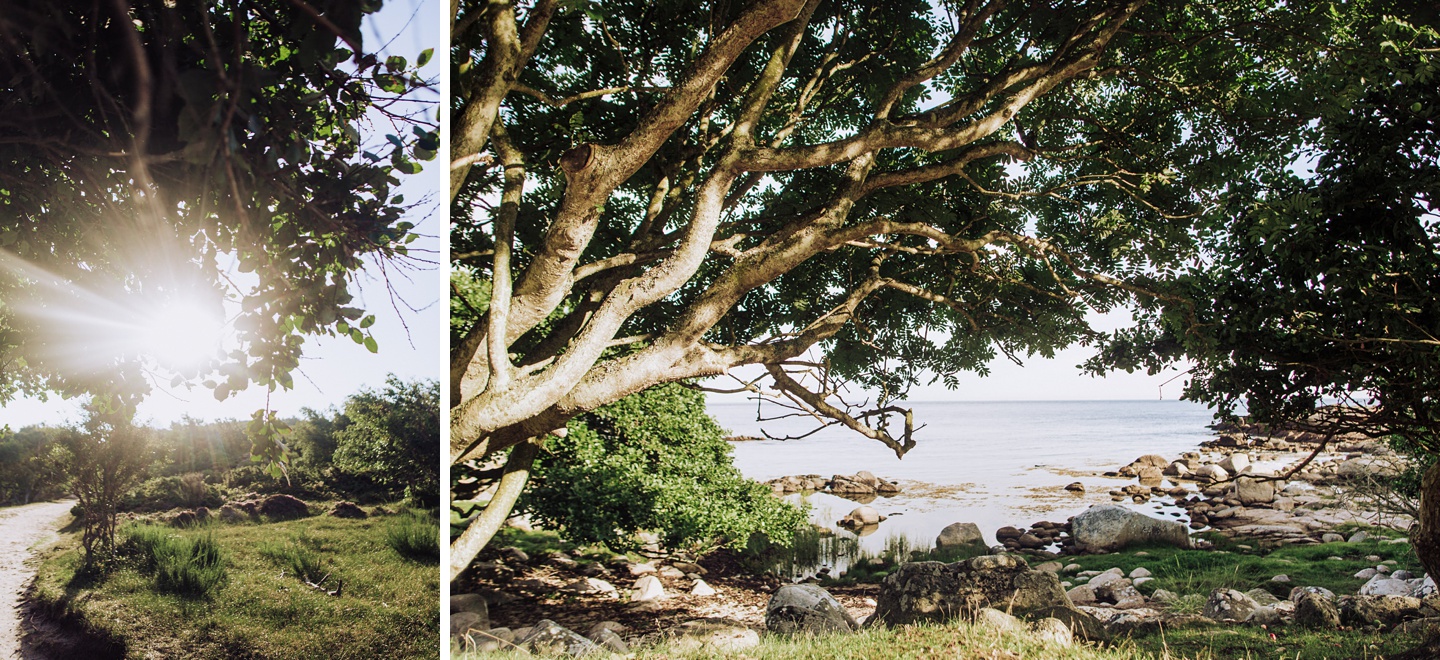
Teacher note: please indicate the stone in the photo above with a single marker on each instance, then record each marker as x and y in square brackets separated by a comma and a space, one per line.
[670, 572]
[647, 588]
[1103, 578]
[993, 619]
[1081, 623]
[806, 608]
[1082, 595]
[464, 622]
[1164, 596]
[1031, 541]
[960, 534]
[283, 507]
[860, 517]
[348, 510]
[612, 626]
[1235, 463]
[1052, 631]
[1251, 492]
[1141, 580]
[1076, 487]
[1049, 567]
[1358, 537]
[1280, 578]
[1322, 592]
[1424, 588]
[550, 638]
[592, 585]
[716, 635]
[1365, 574]
[1211, 472]
[1177, 469]
[636, 570]
[700, 588]
[1007, 532]
[469, 603]
[1262, 596]
[1116, 591]
[1265, 616]
[1331, 537]
[689, 567]
[1378, 610]
[1379, 585]
[1148, 475]
[1313, 610]
[1229, 605]
[609, 640]
[1108, 527]
[933, 591]
[1151, 460]
[1140, 572]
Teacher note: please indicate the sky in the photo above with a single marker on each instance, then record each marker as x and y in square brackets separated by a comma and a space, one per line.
[333, 368]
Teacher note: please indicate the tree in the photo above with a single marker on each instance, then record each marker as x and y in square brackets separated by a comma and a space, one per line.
[392, 437]
[156, 157]
[845, 194]
[1315, 307]
[104, 460]
[30, 467]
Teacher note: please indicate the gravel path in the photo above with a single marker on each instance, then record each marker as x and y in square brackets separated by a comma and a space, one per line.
[21, 529]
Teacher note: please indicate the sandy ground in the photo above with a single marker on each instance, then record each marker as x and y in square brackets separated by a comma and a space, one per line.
[22, 528]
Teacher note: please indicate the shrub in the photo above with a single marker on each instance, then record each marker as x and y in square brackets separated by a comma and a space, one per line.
[188, 567]
[416, 536]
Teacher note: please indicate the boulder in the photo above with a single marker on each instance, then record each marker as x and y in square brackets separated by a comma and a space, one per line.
[1211, 473]
[1378, 610]
[609, 640]
[550, 638]
[1331, 537]
[1251, 492]
[1148, 474]
[470, 603]
[1322, 592]
[1076, 487]
[284, 507]
[860, 517]
[1108, 527]
[700, 588]
[1114, 591]
[232, 514]
[960, 534]
[1229, 605]
[1263, 597]
[1082, 595]
[806, 608]
[1081, 624]
[1235, 463]
[348, 510]
[1380, 585]
[647, 588]
[993, 619]
[933, 591]
[1052, 631]
[1313, 610]
[462, 623]
[1176, 469]
[1151, 460]
[592, 585]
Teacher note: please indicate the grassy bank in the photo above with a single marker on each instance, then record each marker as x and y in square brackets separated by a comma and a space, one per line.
[236, 590]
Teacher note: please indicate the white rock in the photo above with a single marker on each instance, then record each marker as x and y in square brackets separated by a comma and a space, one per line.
[647, 588]
[702, 589]
[1381, 585]
[1140, 572]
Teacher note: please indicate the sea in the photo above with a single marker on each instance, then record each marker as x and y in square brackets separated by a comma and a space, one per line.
[990, 463]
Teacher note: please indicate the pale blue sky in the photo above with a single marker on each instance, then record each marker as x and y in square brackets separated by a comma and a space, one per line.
[410, 340]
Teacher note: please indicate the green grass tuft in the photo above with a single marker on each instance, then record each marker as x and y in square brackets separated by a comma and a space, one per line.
[415, 535]
[191, 567]
[300, 558]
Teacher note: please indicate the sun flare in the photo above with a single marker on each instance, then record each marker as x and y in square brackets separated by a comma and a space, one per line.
[180, 334]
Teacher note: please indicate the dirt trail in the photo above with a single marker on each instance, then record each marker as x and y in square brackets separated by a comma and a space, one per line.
[21, 529]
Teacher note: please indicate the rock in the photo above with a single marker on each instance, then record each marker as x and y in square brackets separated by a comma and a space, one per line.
[232, 514]
[689, 567]
[1265, 616]
[1280, 578]
[932, 591]
[592, 585]
[1075, 487]
[1322, 592]
[715, 635]
[550, 638]
[1251, 492]
[1235, 463]
[1107, 527]
[1425, 588]
[647, 588]
[1141, 580]
[670, 572]
[464, 622]
[348, 510]
[960, 534]
[185, 519]
[1402, 575]
[1358, 537]
[1101, 579]
[469, 603]
[806, 608]
[1049, 567]
[1140, 572]
[1331, 537]
[1072, 569]
[1176, 469]
[1150, 460]
[1148, 474]
[1211, 473]
[1164, 596]
[702, 589]
[514, 555]
[1229, 605]
[488, 641]
[1081, 624]
[1427, 628]
[1263, 597]
[1365, 574]
[1379, 585]
[1052, 631]
[1007, 533]
[1116, 591]
[1082, 595]
[861, 516]
[993, 619]
[284, 507]
[609, 640]
[1313, 610]
[1378, 610]
[1031, 541]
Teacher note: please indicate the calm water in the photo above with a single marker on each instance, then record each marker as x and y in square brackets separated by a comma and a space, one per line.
[990, 463]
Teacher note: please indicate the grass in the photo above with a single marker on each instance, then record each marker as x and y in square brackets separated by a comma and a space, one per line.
[300, 556]
[191, 566]
[389, 606]
[415, 536]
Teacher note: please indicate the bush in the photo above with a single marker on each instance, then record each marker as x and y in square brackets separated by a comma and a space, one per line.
[416, 536]
[301, 557]
[653, 461]
[173, 492]
[188, 567]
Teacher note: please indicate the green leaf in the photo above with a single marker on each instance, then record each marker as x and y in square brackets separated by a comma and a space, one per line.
[368, 321]
[424, 57]
[371, 345]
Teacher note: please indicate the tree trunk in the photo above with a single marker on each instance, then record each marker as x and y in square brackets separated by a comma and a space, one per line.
[1425, 536]
[483, 528]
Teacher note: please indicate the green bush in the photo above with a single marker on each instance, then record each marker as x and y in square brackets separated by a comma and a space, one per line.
[653, 461]
[188, 567]
[300, 557]
[172, 492]
[415, 535]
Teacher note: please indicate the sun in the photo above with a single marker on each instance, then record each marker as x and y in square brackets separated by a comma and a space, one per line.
[179, 334]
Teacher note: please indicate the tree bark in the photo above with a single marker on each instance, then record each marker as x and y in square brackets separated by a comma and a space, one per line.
[512, 484]
[1425, 536]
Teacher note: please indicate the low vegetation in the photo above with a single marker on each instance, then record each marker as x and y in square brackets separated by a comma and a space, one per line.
[245, 590]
